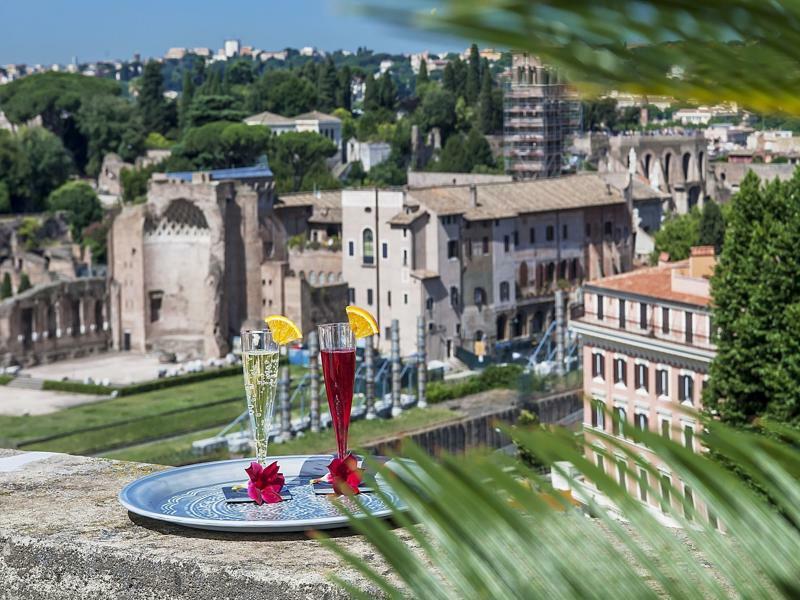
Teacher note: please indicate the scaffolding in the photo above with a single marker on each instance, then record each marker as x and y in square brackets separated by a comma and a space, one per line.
[540, 111]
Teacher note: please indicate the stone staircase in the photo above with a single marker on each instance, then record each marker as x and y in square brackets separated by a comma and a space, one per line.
[27, 383]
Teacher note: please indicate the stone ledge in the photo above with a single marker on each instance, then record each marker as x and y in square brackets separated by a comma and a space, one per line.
[64, 535]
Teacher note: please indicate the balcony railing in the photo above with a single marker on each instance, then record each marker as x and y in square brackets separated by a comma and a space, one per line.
[652, 330]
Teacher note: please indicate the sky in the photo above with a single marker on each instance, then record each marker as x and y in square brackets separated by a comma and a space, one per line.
[53, 31]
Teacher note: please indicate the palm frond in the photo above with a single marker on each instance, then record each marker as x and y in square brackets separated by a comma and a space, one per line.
[743, 51]
[487, 527]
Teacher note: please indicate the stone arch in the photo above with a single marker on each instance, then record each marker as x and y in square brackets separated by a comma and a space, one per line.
[537, 322]
[551, 272]
[647, 162]
[518, 323]
[686, 163]
[700, 158]
[312, 277]
[667, 160]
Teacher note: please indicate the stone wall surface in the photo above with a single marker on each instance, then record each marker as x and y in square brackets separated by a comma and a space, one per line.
[64, 535]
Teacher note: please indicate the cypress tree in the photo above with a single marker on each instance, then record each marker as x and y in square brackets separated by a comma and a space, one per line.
[388, 91]
[152, 105]
[449, 78]
[6, 291]
[371, 94]
[327, 86]
[187, 95]
[24, 283]
[343, 90]
[422, 75]
[486, 103]
[712, 226]
[473, 78]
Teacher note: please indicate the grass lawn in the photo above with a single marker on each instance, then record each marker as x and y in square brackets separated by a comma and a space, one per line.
[177, 451]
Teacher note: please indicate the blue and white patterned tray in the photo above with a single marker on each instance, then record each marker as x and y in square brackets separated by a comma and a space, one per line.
[192, 496]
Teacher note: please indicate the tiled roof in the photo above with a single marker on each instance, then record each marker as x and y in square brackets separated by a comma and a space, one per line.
[505, 200]
[653, 282]
[327, 205]
[641, 190]
[315, 115]
[268, 118]
[406, 218]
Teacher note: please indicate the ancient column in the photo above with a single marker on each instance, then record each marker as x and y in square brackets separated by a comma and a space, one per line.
[422, 363]
[559, 300]
[369, 377]
[283, 395]
[397, 408]
[313, 373]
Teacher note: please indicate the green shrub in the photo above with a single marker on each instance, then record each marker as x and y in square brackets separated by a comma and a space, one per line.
[77, 387]
[167, 382]
[492, 377]
[4, 379]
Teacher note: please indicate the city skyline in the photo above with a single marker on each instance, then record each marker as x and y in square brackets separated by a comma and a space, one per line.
[46, 32]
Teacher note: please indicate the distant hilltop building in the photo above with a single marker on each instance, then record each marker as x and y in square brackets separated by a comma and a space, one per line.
[232, 48]
[175, 54]
[539, 112]
[326, 125]
[647, 346]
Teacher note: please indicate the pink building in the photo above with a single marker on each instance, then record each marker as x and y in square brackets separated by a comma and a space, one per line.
[646, 355]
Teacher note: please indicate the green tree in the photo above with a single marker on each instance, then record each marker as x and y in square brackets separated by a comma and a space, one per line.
[187, 95]
[438, 109]
[371, 94]
[210, 108]
[327, 86]
[5, 198]
[453, 157]
[387, 91]
[79, 201]
[712, 226]
[486, 108]
[599, 114]
[479, 150]
[449, 78]
[239, 72]
[94, 238]
[296, 155]
[422, 75]
[282, 92]
[110, 124]
[47, 165]
[755, 290]
[24, 283]
[677, 235]
[222, 144]
[6, 289]
[134, 183]
[473, 81]
[156, 111]
[344, 96]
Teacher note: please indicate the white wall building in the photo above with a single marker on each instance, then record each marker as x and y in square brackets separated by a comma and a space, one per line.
[318, 122]
[369, 153]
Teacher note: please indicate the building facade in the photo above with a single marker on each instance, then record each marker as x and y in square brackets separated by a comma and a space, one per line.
[317, 122]
[480, 262]
[539, 112]
[647, 347]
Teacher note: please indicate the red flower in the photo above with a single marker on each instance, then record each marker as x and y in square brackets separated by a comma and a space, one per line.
[345, 474]
[265, 483]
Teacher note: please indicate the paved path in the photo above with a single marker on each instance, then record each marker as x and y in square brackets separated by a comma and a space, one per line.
[120, 367]
[16, 402]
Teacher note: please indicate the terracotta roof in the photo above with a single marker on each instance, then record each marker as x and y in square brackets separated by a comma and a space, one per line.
[327, 205]
[268, 118]
[505, 200]
[653, 282]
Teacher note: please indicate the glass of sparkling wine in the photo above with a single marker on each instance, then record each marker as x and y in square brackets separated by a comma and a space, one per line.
[260, 365]
[337, 346]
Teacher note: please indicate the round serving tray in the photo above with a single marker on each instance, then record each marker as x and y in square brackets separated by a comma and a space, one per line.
[192, 496]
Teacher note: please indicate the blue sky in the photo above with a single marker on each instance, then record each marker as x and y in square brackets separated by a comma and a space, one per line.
[48, 31]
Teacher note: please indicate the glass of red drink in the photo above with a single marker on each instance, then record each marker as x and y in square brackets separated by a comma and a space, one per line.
[337, 354]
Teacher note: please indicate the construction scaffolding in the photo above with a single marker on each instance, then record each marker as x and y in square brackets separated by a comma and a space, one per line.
[540, 111]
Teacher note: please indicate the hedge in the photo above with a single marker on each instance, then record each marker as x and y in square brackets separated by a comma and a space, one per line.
[4, 379]
[491, 377]
[77, 387]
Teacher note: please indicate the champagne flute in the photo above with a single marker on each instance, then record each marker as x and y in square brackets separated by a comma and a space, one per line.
[338, 357]
[260, 366]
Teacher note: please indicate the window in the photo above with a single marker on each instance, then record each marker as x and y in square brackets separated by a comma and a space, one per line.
[429, 303]
[662, 382]
[385, 249]
[598, 414]
[405, 258]
[688, 505]
[506, 243]
[620, 368]
[564, 232]
[688, 327]
[607, 228]
[156, 299]
[454, 297]
[485, 245]
[452, 249]
[504, 291]
[532, 234]
[458, 328]
[642, 315]
[643, 485]
[405, 298]
[550, 233]
[621, 469]
[599, 307]
[598, 365]
[405, 232]
[641, 421]
[516, 239]
[666, 429]
[665, 486]
[368, 251]
[389, 298]
[665, 319]
[618, 422]
[621, 313]
[599, 459]
[688, 437]
[686, 388]
[479, 296]
[351, 295]
[369, 296]
[641, 377]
